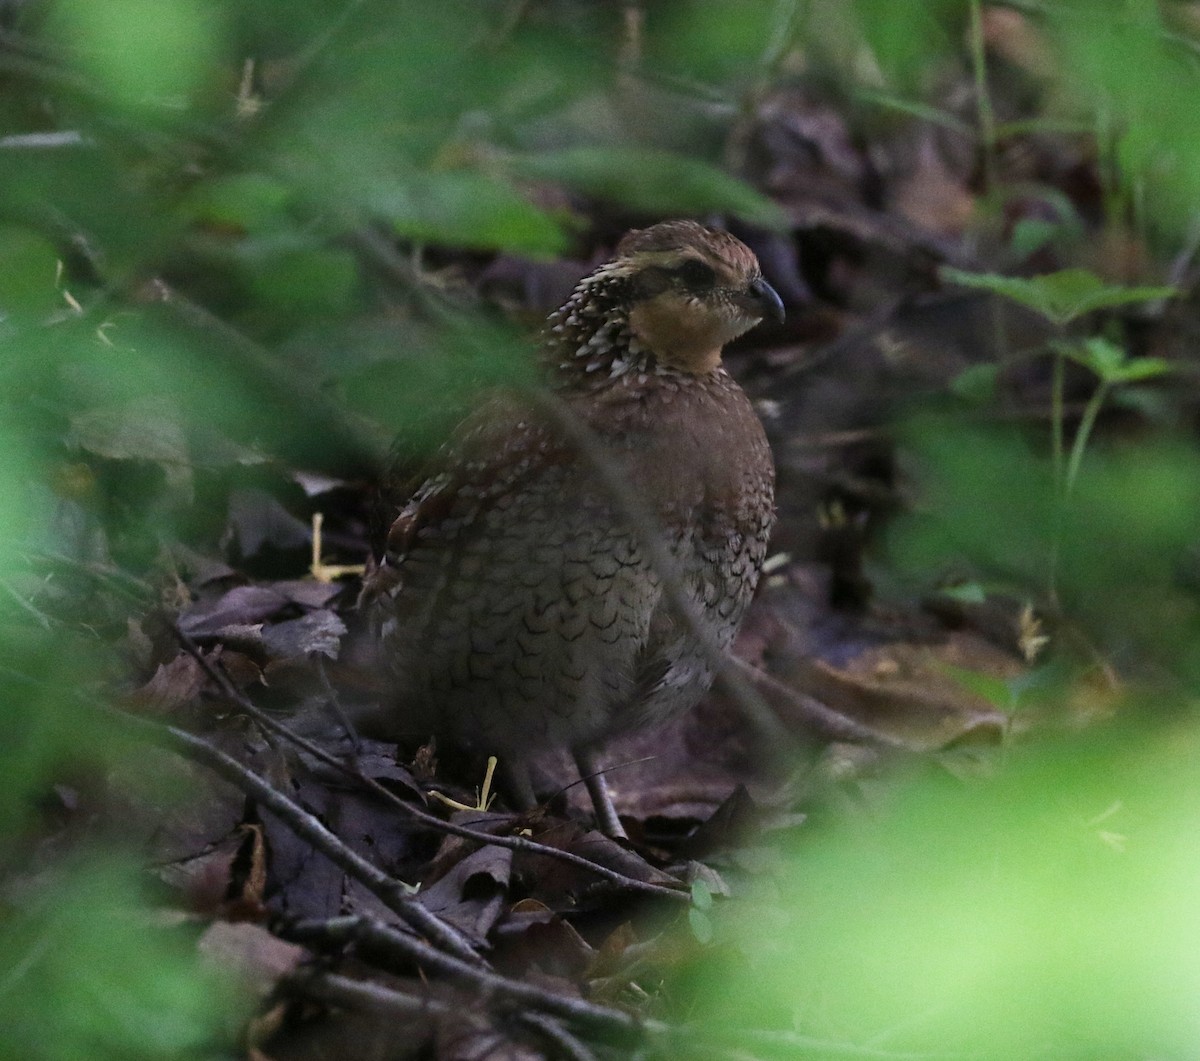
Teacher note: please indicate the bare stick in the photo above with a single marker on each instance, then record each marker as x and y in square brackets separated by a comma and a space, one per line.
[570, 1047]
[361, 995]
[823, 719]
[389, 890]
[372, 935]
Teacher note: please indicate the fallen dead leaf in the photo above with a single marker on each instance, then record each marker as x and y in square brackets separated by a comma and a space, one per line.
[173, 685]
[320, 632]
[241, 606]
[250, 953]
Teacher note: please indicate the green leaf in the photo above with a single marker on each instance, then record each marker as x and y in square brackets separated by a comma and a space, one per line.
[996, 691]
[965, 593]
[976, 384]
[147, 429]
[701, 925]
[1031, 234]
[701, 895]
[28, 265]
[304, 281]
[1111, 363]
[905, 40]
[657, 182]
[254, 202]
[91, 973]
[1101, 356]
[1047, 912]
[1141, 368]
[467, 210]
[1060, 297]
[143, 52]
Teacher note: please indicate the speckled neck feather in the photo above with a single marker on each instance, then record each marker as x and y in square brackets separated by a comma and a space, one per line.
[588, 339]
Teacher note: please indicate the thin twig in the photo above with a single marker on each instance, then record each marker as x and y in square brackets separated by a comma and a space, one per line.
[389, 890]
[430, 821]
[373, 936]
[825, 720]
[568, 1046]
[361, 995]
[45, 141]
[694, 1039]
[983, 98]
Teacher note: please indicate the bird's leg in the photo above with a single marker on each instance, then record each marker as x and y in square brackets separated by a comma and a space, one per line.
[593, 777]
[517, 785]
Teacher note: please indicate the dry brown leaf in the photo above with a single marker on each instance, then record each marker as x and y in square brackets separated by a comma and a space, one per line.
[173, 685]
[906, 692]
[249, 953]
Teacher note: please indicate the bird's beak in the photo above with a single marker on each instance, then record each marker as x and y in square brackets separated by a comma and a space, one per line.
[764, 301]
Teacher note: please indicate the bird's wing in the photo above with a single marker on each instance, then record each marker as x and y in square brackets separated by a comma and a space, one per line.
[497, 452]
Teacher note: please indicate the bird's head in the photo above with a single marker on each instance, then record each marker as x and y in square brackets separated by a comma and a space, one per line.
[682, 290]
[693, 290]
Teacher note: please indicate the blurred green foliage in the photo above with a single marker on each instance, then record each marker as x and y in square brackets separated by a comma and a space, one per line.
[1047, 912]
[87, 970]
[1142, 498]
[1061, 297]
[141, 53]
[1137, 78]
[219, 226]
[89, 975]
[1124, 542]
[906, 40]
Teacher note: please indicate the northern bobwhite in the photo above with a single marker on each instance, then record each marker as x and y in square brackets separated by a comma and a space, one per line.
[521, 606]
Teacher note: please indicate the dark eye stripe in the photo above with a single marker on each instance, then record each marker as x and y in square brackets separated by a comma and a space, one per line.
[695, 273]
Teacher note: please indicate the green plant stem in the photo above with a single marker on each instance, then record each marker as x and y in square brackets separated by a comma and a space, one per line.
[787, 22]
[983, 99]
[1057, 428]
[1064, 478]
[1057, 431]
[1095, 403]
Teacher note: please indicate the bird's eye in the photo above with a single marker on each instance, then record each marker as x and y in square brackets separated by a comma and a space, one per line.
[696, 274]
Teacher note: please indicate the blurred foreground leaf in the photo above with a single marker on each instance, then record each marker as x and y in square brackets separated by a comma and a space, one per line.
[87, 974]
[991, 510]
[468, 210]
[1111, 363]
[1048, 913]
[656, 182]
[28, 265]
[144, 51]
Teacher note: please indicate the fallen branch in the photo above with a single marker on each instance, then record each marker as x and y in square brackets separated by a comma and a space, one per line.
[390, 891]
[381, 941]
